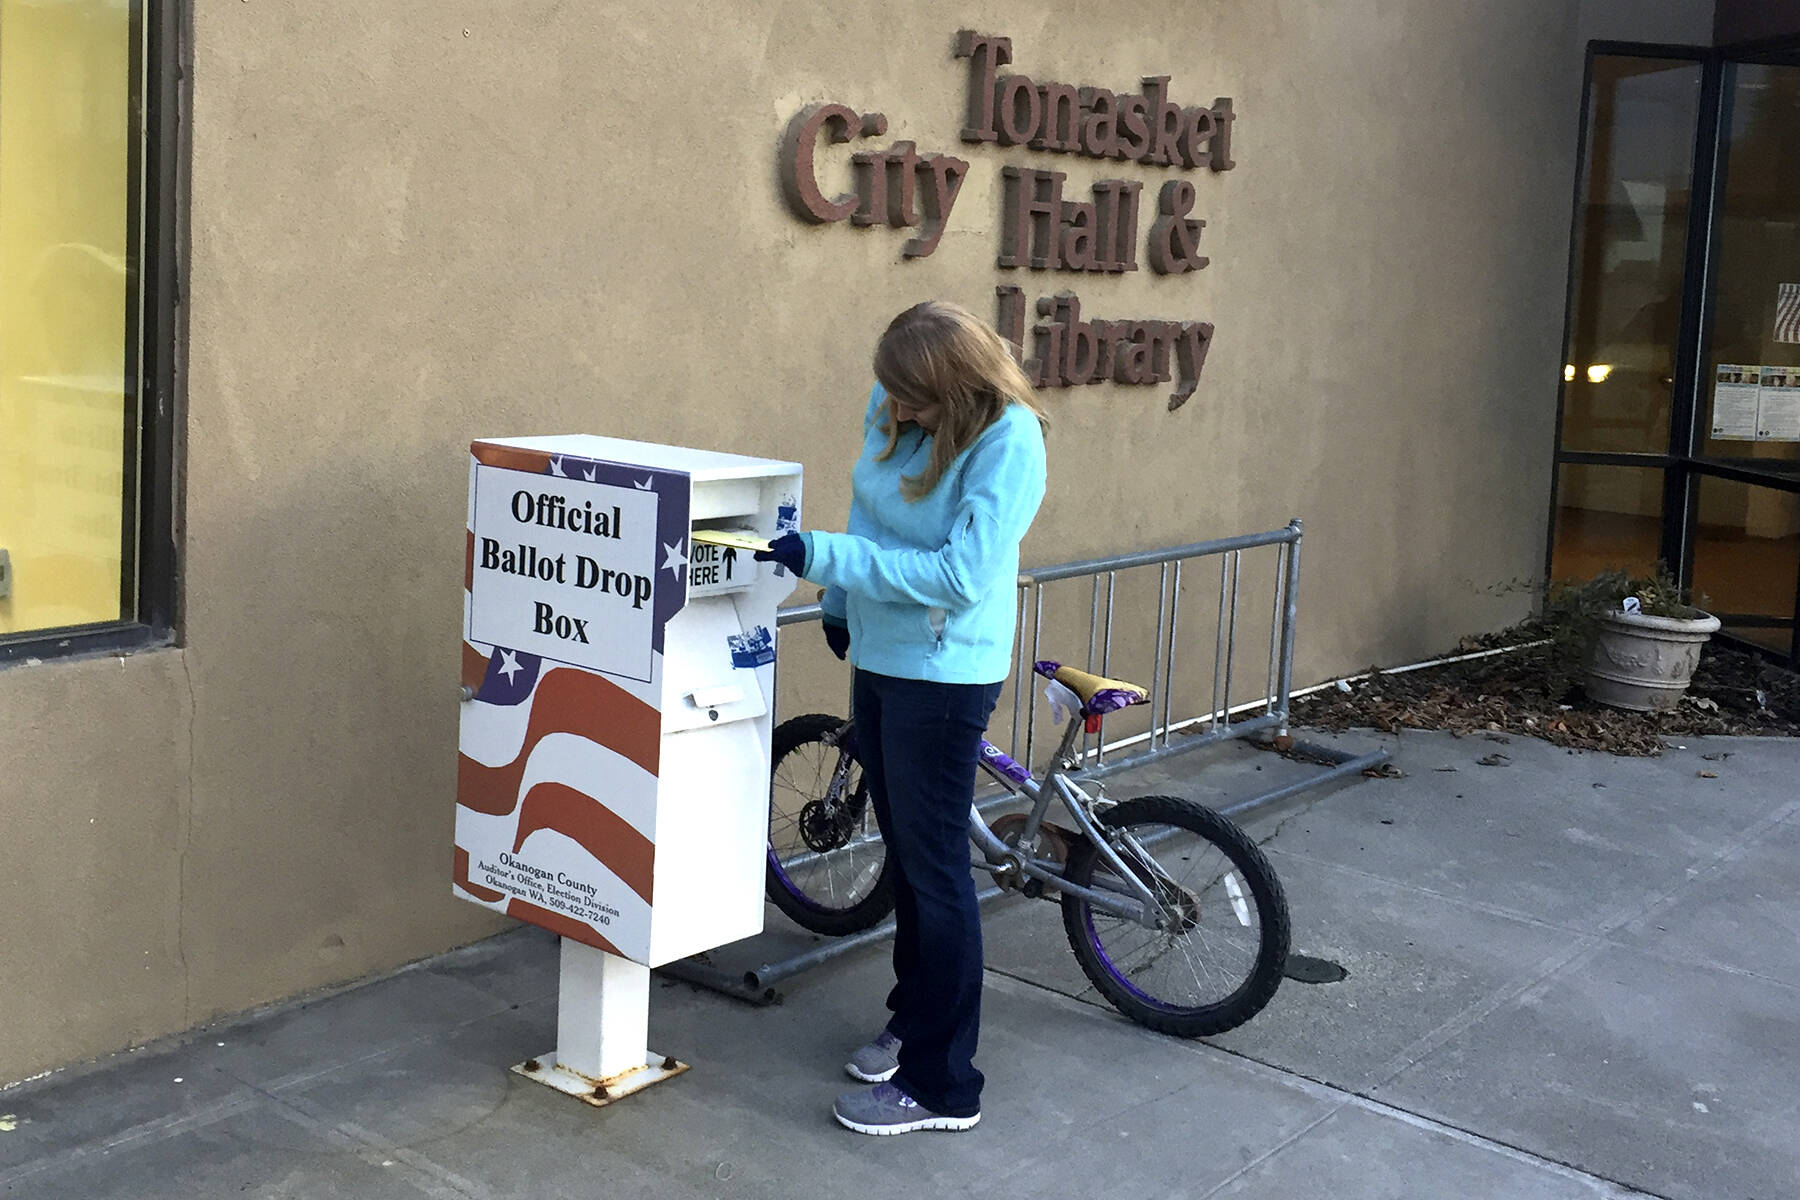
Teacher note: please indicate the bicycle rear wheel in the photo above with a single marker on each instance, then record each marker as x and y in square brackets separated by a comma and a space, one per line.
[828, 868]
[1217, 959]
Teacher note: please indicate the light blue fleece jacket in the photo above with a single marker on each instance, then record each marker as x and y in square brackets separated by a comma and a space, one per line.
[929, 587]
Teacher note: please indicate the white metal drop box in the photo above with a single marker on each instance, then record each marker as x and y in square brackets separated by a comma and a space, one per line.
[613, 781]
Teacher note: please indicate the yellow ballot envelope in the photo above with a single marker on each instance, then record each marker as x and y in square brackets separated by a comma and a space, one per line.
[734, 538]
[710, 569]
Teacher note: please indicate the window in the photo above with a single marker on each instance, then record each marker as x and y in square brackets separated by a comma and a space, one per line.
[1747, 558]
[83, 217]
[1754, 315]
[1631, 240]
[1607, 518]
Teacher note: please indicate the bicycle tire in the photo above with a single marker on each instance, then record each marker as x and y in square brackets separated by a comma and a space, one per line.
[1127, 987]
[803, 882]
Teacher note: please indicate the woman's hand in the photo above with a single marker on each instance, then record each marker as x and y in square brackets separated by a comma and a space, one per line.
[837, 636]
[788, 550]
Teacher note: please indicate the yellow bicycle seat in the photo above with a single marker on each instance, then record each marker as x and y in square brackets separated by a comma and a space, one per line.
[1098, 693]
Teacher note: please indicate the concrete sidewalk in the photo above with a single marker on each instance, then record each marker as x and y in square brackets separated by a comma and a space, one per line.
[1569, 976]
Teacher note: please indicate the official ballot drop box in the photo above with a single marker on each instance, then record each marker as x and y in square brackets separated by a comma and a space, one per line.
[613, 777]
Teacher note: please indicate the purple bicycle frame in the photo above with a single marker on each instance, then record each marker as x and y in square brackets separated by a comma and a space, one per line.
[1000, 765]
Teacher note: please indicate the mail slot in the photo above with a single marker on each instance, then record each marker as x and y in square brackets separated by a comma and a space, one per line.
[720, 560]
[618, 660]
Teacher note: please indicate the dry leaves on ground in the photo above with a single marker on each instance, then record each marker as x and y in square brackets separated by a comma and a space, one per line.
[1732, 693]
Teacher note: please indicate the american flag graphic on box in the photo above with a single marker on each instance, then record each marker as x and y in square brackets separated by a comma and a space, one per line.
[1787, 312]
[573, 569]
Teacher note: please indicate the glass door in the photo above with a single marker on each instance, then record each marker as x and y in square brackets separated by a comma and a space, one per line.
[1745, 551]
[1679, 420]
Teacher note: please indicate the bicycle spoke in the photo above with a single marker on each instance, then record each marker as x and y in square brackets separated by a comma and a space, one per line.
[1207, 942]
[828, 865]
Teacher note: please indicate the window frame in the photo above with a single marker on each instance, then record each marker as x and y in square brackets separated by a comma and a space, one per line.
[155, 351]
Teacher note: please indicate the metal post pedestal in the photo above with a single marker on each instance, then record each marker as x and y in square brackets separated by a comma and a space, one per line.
[602, 1024]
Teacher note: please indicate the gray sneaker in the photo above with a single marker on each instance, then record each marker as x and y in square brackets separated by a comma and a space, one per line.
[877, 1061]
[884, 1110]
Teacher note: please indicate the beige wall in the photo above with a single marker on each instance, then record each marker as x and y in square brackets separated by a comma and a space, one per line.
[428, 220]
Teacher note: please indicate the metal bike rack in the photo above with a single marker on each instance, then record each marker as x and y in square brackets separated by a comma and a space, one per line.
[1266, 716]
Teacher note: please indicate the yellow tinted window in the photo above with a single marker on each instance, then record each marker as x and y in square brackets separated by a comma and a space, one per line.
[68, 285]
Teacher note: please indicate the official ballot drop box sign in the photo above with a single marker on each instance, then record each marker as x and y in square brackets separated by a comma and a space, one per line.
[613, 780]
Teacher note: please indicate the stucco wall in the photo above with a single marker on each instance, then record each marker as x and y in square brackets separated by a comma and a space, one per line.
[429, 220]
[96, 803]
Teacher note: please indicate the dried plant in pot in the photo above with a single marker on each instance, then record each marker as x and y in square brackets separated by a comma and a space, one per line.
[1640, 639]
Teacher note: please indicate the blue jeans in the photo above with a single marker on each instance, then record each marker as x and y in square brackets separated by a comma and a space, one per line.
[918, 742]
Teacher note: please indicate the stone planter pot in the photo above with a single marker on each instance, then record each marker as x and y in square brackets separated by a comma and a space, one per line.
[1644, 663]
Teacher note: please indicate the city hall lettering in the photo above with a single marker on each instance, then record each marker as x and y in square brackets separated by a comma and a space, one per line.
[1042, 228]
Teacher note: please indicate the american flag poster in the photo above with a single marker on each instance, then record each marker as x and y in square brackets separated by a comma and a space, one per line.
[573, 569]
[1787, 312]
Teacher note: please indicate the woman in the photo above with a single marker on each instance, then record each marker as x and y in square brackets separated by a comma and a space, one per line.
[921, 594]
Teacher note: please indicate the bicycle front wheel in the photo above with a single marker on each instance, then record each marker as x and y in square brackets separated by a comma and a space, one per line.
[828, 867]
[1216, 958]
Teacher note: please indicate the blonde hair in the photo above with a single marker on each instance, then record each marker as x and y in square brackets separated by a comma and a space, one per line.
[941, 353]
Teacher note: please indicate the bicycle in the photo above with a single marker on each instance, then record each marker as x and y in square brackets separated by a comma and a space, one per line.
[1189, 940]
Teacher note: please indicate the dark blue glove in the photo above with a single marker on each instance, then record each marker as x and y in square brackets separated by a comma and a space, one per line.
[788, 550]
[837, 636]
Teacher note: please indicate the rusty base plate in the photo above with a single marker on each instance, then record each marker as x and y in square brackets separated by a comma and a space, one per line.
[599, 1093]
